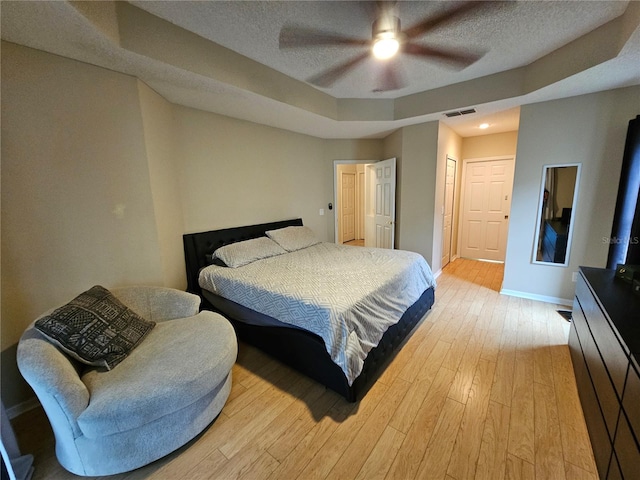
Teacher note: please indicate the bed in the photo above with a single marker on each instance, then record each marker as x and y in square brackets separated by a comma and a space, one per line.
[344, 357]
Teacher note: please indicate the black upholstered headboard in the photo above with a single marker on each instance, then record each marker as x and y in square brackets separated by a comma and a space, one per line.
[198, 245]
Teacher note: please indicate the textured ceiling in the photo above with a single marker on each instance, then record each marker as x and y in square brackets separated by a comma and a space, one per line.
[224, 57]
[513, 33]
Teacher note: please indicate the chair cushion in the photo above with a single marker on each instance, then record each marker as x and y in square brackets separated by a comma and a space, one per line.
[95, 328]
[179, 362]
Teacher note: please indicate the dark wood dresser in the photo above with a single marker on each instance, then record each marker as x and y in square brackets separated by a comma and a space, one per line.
[604, 341]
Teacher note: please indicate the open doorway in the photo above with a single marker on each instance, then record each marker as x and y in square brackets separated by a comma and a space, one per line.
[478, 188]
[364, 194]
[350, 203]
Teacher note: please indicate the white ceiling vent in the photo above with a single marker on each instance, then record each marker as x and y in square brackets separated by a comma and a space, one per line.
[457, 113]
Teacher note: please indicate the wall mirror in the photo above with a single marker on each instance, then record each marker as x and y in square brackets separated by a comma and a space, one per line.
[554, 227]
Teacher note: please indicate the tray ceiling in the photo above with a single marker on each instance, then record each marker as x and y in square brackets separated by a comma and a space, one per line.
[224, 57]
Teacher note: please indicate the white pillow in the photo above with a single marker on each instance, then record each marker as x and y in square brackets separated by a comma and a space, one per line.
[293, 238]
[241, 253]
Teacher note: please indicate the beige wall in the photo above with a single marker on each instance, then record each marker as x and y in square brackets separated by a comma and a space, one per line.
[422, 152]
[449, 145]
[234, 173]
[493, 145]
[590, 130]
[416, 150]
[162, 155]
[76, 197]
[77, 208]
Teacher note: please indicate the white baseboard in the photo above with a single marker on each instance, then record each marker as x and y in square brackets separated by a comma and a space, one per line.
[437, 274]
[540, 298]
[23, 407]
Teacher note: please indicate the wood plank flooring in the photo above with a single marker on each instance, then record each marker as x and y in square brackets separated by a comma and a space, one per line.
[483, 389]
[355, 243]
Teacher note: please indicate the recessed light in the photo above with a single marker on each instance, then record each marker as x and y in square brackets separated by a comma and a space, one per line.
[483, 126]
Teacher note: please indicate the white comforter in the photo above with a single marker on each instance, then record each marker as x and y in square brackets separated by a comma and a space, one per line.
[347, 295]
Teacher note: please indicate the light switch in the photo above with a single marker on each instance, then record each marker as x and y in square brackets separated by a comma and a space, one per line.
[322, 211]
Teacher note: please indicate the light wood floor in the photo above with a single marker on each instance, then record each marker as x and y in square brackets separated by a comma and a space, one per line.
[355, 243]
[483, 389]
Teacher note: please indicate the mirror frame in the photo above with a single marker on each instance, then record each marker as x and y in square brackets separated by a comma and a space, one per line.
[536, 238]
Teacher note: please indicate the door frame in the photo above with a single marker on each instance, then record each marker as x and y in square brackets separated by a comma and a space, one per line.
[463, 178]
[454, 220]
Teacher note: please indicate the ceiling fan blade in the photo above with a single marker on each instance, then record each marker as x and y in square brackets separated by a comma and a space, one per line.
[391, 78]
[293, 37]
[454, 58]
[437, 20]
[328, 77]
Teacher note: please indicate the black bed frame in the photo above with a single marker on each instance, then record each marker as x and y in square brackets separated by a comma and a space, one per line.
[300, 349]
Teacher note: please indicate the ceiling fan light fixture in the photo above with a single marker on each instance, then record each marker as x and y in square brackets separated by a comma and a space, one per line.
[386, 36]
[385, 47]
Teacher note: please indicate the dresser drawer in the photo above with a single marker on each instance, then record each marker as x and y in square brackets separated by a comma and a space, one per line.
[612, 352]
[575, 349]
[606, 396]
[614, 470]
[631, 400]
[604, 341]
[592, 416]
[627, 450]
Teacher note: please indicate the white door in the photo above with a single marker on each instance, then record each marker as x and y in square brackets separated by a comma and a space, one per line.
[485, 209]
[447, 223]
[348, 206]
[382, 203]
[360, 213]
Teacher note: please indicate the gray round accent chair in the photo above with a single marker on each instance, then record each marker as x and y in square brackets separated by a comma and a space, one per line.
[167, 390]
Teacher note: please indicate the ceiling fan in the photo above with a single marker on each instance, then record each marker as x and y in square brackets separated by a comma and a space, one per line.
[387, 40]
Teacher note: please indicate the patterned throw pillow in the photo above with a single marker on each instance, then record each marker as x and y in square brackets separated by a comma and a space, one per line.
[293, 238]
[95, 328]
